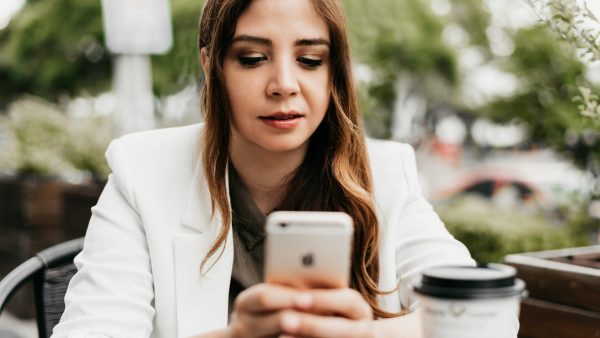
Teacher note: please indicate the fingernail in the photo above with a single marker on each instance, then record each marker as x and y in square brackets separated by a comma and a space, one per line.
[290, 322]
[304, 300]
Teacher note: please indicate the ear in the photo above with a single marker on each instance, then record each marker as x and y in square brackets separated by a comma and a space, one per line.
[204, 60]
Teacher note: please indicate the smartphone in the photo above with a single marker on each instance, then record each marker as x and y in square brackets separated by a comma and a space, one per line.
[308, 249]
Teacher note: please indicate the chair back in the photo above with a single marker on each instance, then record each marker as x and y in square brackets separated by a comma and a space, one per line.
[50, 289]
[51, 270]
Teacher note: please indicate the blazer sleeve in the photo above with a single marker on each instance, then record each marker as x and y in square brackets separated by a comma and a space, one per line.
[111, 295]
[422, 240]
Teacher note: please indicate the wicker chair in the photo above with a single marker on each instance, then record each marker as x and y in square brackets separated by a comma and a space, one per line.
[51, 270]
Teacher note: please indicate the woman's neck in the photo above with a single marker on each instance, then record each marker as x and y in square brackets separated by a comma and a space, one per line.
[265, 173]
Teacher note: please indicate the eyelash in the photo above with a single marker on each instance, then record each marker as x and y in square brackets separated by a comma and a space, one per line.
[254, 61]
[310, 63]
[251, 61]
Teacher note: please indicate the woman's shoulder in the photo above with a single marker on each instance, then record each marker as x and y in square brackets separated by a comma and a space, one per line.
[393, 165]
[156, 149]
[165, 137]
[387, 152]
[394, 174]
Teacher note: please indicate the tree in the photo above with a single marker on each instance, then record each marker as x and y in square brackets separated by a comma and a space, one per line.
[398, 38]
[577, 25]
[67, 56]
[52, 48]
[55, 47]
[550, 76]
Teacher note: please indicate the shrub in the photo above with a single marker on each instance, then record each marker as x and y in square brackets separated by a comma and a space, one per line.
[491, 232]
[40, 140]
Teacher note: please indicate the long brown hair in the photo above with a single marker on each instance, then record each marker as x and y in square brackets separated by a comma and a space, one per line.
[335, 174]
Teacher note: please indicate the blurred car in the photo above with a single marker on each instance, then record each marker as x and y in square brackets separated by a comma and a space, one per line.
[527, 177]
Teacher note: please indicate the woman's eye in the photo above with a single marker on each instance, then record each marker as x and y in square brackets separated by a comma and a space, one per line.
[310, 63]
[251, 61]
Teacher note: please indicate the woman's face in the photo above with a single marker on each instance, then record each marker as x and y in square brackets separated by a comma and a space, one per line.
[277, 75]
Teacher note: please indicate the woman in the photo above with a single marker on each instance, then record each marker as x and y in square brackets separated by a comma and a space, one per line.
[174, 237]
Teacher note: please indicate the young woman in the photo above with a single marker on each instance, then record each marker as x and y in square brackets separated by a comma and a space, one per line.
[174, 246]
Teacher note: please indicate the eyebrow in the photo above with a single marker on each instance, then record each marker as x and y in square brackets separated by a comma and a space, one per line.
[267, 42]
[311, 42]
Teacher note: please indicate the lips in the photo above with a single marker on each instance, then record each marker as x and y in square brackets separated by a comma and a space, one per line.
[279, 116]
[283, 120]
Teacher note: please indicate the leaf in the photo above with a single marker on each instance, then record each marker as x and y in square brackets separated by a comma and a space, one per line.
[560, 17]
[585, 91]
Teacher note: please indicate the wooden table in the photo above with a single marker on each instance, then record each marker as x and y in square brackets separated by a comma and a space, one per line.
[563, 292]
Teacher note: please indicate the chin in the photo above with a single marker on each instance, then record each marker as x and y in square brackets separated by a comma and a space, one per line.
[285, 145]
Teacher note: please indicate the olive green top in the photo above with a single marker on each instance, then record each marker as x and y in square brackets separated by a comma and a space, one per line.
[248, 238]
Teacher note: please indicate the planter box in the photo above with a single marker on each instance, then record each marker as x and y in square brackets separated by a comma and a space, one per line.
[77, 208]
[34, 215]
[30, 216]
[30, 221]
[564, 292]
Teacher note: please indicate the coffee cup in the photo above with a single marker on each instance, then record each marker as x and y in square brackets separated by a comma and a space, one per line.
[470, 301]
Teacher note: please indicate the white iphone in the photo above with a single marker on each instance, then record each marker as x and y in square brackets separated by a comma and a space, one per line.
[308, 249]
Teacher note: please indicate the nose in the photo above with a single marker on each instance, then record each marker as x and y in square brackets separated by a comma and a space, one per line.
[283, 82]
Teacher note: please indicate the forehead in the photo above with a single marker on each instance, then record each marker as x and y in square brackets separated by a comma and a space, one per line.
[282, 18]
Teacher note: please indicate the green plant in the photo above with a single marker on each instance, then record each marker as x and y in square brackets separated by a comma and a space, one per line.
[36, 134]
[42, 141]
[74, 59]
[88, 140]
[400, 41]
[491, 232]
[577, 25]
[550, 76]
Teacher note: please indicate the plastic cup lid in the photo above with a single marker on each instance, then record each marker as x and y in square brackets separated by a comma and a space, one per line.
[470, 282]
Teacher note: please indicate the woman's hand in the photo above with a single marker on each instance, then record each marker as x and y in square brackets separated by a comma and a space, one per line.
[268, 310]
[332, 313]
[260, 309]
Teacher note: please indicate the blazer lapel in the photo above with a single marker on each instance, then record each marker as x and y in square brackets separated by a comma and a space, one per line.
[202, 296]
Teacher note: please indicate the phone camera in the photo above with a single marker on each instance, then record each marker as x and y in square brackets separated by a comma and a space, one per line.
[283, 225]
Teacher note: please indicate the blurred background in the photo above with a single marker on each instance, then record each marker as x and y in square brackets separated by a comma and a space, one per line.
[497, 97]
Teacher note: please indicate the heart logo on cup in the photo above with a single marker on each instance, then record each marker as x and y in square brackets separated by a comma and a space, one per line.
[456, 309]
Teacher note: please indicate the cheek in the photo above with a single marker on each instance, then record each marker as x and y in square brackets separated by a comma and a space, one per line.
[319, 93]
[241, 95]
[235, 95]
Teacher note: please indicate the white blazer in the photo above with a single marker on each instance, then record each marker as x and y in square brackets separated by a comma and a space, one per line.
[138, 274]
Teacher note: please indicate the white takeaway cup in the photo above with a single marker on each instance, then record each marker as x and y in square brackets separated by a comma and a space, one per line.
[470, 301]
